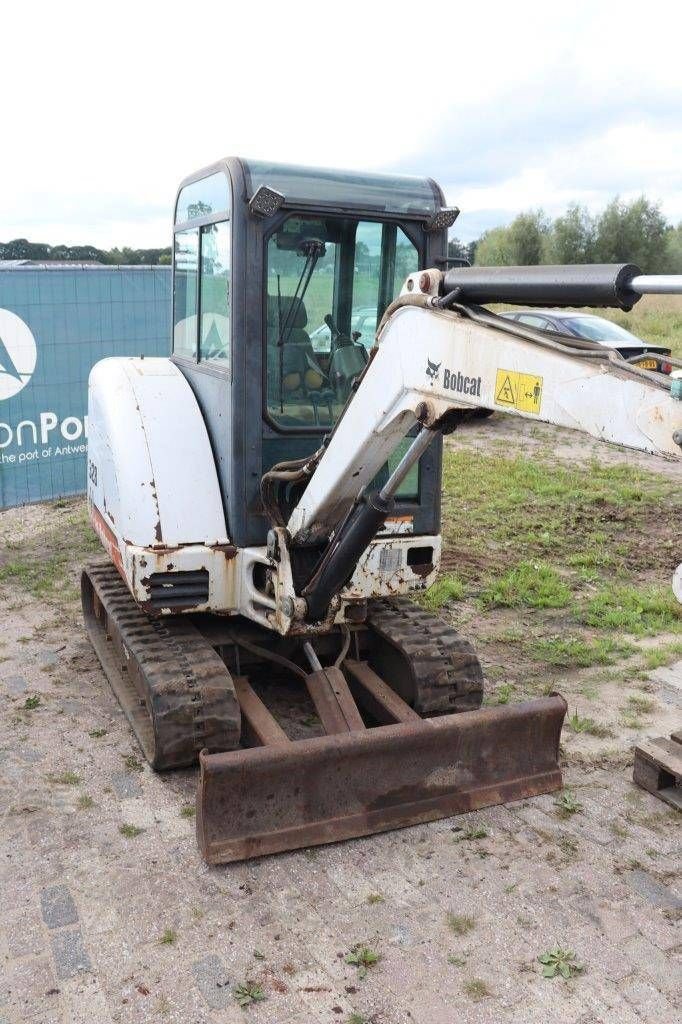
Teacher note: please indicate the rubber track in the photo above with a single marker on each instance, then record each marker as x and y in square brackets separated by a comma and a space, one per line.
[175, 690]
[446, 673]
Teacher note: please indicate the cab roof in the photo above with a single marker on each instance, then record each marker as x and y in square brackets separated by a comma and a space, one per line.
[318, 187]
[321, 186]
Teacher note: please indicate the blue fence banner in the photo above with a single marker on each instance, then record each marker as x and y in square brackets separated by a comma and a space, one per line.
[56, 322]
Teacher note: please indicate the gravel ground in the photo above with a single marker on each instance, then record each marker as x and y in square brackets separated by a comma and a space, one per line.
[99, 925]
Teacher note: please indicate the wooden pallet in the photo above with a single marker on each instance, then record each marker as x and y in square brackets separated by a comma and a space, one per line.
[658, 768]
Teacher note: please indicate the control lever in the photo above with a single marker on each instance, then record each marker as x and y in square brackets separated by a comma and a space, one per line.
[333, 329]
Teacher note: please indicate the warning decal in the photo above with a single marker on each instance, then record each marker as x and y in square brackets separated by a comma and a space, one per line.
[522, 391]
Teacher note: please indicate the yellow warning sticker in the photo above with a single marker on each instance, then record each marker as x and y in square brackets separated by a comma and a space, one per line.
[522, 391]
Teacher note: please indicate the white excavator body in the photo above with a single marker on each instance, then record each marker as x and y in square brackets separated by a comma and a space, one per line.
[266, 495]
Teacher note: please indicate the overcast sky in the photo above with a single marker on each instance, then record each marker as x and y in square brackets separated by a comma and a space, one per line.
[106, 106]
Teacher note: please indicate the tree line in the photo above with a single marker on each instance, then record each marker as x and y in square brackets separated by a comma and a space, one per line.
[22, 249]
[635, 232]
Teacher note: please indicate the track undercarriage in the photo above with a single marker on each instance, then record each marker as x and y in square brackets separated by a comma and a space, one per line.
[195, 688]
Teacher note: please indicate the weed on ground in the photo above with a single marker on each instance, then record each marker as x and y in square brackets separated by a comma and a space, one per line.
[460, 924]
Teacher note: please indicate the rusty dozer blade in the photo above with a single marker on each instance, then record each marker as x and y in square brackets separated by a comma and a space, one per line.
[290, 794]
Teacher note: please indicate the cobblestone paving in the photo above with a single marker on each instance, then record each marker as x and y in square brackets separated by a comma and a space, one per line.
[102, 925]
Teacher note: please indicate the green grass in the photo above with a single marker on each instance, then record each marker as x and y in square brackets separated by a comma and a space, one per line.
[363, 957]
[169, 937]
[503, 694]
[460, 924]
[588, 725]
[130, 831]
[446, 589]
[589, 561]
[634, 610]
[248, 992]
[529, 585]
[67, 778]
[516, 497]
[476, 989]
[578, 652]
[666, 654]
[559, 962]
[42, 566]
[471, 833]
[534, 534]
[567, 804]
[37, 578]
[641, 705]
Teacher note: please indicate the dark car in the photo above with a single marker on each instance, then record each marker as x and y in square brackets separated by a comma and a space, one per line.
[595, 328]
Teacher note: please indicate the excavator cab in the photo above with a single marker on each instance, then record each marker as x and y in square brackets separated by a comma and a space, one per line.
[281, 276]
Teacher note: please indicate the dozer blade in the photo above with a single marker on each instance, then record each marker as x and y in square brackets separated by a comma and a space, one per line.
[286, 795]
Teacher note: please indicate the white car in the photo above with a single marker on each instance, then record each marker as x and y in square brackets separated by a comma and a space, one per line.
[362, 320]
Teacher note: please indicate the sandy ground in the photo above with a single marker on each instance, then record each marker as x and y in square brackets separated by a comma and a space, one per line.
[458, 911]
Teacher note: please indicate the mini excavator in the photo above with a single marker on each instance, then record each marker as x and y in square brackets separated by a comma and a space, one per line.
[269, 495]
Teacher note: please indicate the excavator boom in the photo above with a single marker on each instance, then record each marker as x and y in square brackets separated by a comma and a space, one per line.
[430, 361]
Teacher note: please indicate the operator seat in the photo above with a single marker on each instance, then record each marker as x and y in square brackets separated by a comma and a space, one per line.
[302, 375]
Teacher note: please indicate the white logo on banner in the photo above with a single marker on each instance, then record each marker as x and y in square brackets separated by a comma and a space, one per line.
[18, 354]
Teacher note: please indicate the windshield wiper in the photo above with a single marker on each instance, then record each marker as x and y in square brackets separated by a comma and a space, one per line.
[312, 249]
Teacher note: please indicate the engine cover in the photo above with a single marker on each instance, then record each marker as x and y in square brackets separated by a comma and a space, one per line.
[153, 491]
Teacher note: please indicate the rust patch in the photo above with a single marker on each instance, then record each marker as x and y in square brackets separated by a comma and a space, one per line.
[281, 797]
[229, 550]
[106, 536]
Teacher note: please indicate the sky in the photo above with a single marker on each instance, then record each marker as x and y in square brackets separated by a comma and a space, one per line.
[510, 106]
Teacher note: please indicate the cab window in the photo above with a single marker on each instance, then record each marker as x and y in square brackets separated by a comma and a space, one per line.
[200, 198]
[201, 294]
[214, 294]
[185, 292]
[329, 280]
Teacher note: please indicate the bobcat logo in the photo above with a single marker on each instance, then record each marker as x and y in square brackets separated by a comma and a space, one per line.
[432, 369]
